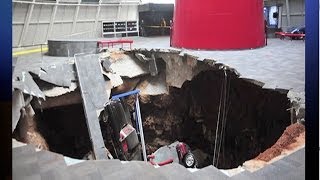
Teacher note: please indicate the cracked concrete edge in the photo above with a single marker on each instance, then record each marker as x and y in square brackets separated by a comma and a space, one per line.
[200, 65]
[297, 106]
[182, 53]
[296, 99]
[58, 90]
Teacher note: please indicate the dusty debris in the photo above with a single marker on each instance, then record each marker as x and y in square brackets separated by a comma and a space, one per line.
[27, 129]
[116, 55]
[288, 137]
[291, 140]
[105, 55]
[154, 85]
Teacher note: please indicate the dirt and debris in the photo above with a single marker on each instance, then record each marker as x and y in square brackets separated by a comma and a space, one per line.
[116, 55]
[288, 137]
[27, 130]
[255, 120]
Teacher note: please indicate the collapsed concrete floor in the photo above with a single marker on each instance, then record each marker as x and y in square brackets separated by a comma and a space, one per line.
[254, 119]
[206, 105]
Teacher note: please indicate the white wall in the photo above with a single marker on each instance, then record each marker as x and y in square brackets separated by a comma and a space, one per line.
[35, 21]
[159, 1]
[296, 12]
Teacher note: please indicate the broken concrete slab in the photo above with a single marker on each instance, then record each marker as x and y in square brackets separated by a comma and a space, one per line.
[65, 99]
[129, 84]
[27, 85]
[94, 96]
[17, 104]
[129, 67]
[88, 68]
[178, 71]
[153, 68]
[55, 91]
[58, 74]
[154, 85]
[114, 78]
[106, 65]
[141, 57]
[253, 81]
[282, 91]
[181, 69]
[151, 61]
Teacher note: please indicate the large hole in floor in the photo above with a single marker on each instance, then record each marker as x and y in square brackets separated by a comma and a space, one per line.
[64, 129]
[252, 120]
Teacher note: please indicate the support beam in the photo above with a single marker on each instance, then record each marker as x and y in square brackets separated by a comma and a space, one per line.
[280, 17]
[119, 9]
[26, 23]
[97, 17]
[62, 22]
[37, 27]
[138, 26]
[72, 4]
[288, 13]
[75, 17]
[53, 16]
[144, 152]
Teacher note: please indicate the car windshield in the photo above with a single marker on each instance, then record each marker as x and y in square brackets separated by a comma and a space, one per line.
[295, 29]
[291, 29]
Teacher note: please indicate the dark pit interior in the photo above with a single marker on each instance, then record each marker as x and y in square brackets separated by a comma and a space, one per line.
[254, 118]
[65, 130]
[251, 119]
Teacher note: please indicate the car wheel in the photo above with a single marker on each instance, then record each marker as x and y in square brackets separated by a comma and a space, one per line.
[189, 161]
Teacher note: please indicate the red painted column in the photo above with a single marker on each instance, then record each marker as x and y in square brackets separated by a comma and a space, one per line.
[216, 24]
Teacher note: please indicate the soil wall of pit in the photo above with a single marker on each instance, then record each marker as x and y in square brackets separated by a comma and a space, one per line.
[255, 117]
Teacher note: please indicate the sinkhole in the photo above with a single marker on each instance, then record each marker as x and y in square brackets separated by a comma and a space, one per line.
[251, 119]
[226, 120]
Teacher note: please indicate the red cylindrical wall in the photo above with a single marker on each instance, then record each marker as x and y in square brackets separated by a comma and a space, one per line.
[218, 24]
